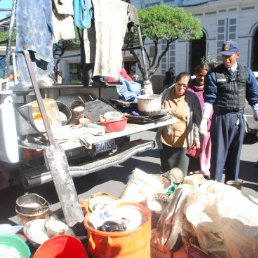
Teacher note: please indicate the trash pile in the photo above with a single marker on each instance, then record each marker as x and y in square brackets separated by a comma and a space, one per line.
[190, 215]
[157, 215]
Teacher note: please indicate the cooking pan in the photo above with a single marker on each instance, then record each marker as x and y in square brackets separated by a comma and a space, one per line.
[149, 105]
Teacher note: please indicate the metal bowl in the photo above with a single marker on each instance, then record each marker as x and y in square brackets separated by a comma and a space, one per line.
[31, 204]
[66, 111]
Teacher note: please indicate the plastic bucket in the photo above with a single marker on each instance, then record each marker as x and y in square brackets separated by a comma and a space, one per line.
[9, 243]
[61, 247]
[128, 244]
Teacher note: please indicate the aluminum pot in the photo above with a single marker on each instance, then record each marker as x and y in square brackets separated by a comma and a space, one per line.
[31, 206]
[149, 104]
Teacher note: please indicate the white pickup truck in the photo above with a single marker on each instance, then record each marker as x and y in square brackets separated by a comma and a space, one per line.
[85, 154]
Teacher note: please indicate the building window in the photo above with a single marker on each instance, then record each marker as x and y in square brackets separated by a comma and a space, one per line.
[221, 29]
[247, 8]
[220, 36]
[232, 21]
[226, 31]
[170, 59]
[209, 13]
[151, 4]
[172, 52]
[152, 51]
[74, 71]
[221, 22]
[232, 29]
[232, 36]
[219, 44]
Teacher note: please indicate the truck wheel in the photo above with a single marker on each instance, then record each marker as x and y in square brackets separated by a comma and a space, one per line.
[9, 175]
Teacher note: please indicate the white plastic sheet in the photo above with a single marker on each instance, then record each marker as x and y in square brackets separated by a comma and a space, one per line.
[224, 220]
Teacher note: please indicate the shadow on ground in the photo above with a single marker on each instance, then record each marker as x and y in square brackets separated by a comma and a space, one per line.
[249, 173]
[250, 138]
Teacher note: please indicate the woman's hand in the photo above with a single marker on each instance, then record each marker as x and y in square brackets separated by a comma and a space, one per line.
[198, 144]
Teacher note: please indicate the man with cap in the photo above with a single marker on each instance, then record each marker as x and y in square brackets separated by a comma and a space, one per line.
[226, 89]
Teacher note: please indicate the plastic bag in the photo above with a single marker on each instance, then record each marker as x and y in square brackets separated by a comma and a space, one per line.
[240, 240]
[141, 187]
[223, 220]
[170, 222]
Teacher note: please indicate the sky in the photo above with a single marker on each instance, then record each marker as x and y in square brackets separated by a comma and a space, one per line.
[5, 4]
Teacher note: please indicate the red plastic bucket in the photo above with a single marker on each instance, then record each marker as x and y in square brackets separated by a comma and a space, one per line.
[132, 243]
[64, 246]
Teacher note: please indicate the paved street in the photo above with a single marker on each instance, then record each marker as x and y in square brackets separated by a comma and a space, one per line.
[113, 180]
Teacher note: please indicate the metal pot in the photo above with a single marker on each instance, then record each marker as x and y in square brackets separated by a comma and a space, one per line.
[66, 111]
[149, 104]
[31, 206]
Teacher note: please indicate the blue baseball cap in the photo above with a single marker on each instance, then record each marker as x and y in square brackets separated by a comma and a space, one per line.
[229, 48]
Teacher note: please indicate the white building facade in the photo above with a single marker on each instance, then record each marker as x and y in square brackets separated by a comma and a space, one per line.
[220, 20]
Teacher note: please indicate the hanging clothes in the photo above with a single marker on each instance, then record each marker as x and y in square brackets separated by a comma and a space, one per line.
[128, 90]
[83, 13]
[132, 17]
[63, 26]
[124, 74]
[63, 6]
[34, 33]
[110, 20]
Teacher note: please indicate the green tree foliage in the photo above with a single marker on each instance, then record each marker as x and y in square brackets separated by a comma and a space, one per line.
[163, 23]
[61, 47]
[4, 38]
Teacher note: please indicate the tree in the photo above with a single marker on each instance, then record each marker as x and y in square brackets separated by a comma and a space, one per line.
[60, 48]
[159, 23]
[4, 38]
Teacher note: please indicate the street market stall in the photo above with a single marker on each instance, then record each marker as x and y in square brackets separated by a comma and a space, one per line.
[161, 215]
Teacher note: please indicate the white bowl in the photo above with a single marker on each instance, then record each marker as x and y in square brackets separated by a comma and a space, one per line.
[37, 233]
[113, 115]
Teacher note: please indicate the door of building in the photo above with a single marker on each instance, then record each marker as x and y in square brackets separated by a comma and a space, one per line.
[255, 51]
[197, 50]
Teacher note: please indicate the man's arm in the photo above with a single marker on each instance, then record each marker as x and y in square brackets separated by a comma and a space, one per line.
[252, 92]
